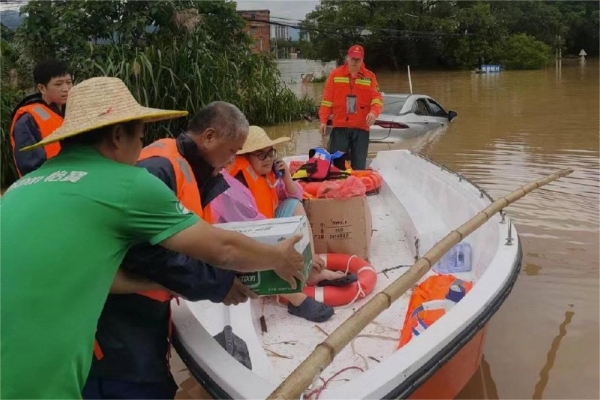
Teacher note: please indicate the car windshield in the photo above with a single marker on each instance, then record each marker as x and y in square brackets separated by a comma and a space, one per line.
[393, 104]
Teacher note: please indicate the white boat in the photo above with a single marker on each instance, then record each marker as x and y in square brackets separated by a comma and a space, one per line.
[419, 203]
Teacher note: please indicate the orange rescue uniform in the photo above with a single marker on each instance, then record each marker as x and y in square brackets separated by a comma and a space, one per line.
[338, 86]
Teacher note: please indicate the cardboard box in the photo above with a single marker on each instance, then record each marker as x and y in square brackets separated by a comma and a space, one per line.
[273, 231]
[341, 226]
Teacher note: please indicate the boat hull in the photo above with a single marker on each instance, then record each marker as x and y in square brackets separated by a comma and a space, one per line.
[451, 378]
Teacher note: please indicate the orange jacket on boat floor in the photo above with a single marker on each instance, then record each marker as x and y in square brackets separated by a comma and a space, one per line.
[429, 302]
[338, 86]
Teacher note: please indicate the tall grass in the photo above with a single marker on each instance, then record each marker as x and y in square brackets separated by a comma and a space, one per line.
[184, 74]
[181, 76]
[8, 99]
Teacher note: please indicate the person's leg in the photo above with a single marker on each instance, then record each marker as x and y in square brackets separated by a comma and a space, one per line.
[338, 140]
[359, 148]
[115, 389]
[91, 390]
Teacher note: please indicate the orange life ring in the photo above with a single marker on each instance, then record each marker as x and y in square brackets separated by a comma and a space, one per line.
[336, 296]
[370, 178]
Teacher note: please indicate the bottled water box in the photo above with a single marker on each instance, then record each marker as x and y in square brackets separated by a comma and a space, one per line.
[458, 259]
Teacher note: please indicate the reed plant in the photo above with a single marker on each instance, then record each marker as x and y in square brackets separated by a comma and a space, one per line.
[196, 54]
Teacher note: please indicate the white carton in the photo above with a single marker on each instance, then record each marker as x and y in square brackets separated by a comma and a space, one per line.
[273, 231]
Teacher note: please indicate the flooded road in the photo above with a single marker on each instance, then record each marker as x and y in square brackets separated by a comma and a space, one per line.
[514, 127]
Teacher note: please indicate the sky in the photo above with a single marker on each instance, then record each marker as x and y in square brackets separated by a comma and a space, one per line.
[294, 9]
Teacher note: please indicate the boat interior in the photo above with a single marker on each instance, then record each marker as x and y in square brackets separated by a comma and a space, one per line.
[419, 203]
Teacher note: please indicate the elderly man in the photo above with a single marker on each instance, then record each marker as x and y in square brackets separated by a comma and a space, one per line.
[352, 96]
[133, 333]
[67, 226]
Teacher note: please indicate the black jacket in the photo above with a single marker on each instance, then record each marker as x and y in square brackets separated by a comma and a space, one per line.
[133, 329]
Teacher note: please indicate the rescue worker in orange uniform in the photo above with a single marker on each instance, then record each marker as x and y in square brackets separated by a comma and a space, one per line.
[134, 330]
[39, 114]
[352, 96]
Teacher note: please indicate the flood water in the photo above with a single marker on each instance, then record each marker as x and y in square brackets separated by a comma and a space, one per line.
[512, 128]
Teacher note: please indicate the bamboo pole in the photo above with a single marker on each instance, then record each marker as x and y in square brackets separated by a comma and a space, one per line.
[325, 352]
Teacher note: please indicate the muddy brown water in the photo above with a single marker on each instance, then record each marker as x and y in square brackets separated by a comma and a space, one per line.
[514, 127]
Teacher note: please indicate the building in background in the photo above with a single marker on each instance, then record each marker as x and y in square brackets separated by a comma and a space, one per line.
[259, 29]
[280, 32]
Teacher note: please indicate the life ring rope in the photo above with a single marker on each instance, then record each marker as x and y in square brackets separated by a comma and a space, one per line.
[343, 296]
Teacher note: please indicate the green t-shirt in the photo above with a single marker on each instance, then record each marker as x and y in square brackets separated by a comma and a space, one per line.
[65, 229]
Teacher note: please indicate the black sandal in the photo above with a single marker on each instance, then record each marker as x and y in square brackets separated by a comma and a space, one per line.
[342, 281]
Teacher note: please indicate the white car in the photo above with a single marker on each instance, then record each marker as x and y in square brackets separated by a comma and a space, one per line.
[407, 116]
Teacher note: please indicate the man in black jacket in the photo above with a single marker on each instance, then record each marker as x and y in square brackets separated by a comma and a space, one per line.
[39, 114]
[134, 330]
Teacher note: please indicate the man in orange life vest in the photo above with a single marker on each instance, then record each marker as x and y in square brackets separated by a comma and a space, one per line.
[352, 95]
[39, 114]
[134, 330]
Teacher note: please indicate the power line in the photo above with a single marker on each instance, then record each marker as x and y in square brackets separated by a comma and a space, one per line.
[335, 29]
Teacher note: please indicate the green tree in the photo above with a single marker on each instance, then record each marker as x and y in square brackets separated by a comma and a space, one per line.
[461, 34]
[522, 51]
[480, 32]
[171, 54]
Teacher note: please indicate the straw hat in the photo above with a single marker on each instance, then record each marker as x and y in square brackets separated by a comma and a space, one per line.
[99, 102]
[258, 139]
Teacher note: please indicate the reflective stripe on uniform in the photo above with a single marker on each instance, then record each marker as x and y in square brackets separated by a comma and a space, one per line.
[185, 169]
[325, 103]
[341, 79]
[43, 114]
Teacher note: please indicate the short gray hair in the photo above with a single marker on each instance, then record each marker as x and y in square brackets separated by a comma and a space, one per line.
[225, 118]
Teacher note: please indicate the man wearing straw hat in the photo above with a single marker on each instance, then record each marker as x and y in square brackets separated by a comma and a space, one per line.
[66, 227]
[133, 337]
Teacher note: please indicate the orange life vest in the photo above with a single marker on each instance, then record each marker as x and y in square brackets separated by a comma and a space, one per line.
[263, 188]
[187, 187]
[47, 121]
[430, 300]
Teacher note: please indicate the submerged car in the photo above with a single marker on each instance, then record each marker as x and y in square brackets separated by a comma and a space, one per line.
[406, 116]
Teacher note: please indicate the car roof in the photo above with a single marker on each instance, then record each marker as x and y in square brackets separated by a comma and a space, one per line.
[405, 95]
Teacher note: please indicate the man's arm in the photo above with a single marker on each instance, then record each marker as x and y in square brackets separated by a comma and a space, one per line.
[376, 98]
[190, 278]
[164, 221]
[327, 101]
[26, 133]
[125, 283]
[228, 249]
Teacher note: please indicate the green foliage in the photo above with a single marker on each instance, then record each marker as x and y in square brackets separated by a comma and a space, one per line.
[171, 54]
[523, 52]
[9, 97]
[461, 34]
